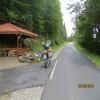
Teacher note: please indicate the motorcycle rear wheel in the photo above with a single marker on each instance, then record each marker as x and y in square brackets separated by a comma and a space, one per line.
[47, 63]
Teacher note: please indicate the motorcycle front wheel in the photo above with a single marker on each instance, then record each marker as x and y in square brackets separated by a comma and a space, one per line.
[47, 63]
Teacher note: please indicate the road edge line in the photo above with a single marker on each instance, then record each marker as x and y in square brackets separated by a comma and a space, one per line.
[52, 73]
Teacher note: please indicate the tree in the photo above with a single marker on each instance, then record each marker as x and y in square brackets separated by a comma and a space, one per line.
[40, 16]
[86, 19]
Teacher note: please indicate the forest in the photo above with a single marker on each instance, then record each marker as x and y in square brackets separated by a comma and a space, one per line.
[87, 21]
[42, 17]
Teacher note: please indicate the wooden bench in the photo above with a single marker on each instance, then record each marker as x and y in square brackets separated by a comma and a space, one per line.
[15, 51]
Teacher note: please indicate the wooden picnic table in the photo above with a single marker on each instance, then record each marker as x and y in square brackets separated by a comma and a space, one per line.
[15, 51]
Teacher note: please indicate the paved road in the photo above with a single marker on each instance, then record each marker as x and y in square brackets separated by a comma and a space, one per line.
[24, 77]
[71, 70]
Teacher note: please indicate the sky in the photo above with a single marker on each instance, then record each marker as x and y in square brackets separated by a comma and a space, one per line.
[67, 16]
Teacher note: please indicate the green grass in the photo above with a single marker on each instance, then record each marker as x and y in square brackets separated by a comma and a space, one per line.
[58, 48]
[36, 45]
[92, 57]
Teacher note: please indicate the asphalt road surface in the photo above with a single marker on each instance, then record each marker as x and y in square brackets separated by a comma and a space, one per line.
[24, 77]
[71, 71]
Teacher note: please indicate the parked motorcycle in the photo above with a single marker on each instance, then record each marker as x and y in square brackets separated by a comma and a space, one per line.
[47, 55]
[44, 56]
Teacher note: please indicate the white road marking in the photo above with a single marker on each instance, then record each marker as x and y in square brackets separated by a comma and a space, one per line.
[52, 73]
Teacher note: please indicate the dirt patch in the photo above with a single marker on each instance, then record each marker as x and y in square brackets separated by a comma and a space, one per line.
[5, 97]
[10, 62]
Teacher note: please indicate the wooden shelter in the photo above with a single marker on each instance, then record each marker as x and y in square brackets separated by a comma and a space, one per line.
[9, 29]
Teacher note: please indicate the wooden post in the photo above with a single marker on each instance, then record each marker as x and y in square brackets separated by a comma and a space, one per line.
[31, 42]
[18, 38]
[21, 42]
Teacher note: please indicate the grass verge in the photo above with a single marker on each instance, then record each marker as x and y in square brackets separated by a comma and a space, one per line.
[36, 45]
[57, 48]
[92, 57]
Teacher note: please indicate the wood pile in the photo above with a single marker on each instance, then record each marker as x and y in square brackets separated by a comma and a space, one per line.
[15, 52]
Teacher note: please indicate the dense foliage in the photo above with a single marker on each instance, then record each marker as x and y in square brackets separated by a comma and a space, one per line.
[87, 17]
[40, 16]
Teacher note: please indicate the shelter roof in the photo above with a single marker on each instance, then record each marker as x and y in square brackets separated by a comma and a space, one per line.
[9, 28]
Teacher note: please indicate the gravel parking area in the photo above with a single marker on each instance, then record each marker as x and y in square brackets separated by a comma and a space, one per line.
[24, 94]
[10, 62]
[27, 94]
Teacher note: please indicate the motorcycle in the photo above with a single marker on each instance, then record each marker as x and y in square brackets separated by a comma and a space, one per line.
[40, 56]
[47, 58]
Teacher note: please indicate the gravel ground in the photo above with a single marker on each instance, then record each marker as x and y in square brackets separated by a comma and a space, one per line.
[10, 62]
[24, 94]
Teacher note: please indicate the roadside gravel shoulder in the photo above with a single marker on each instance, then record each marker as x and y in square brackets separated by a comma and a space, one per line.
[24, 94]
